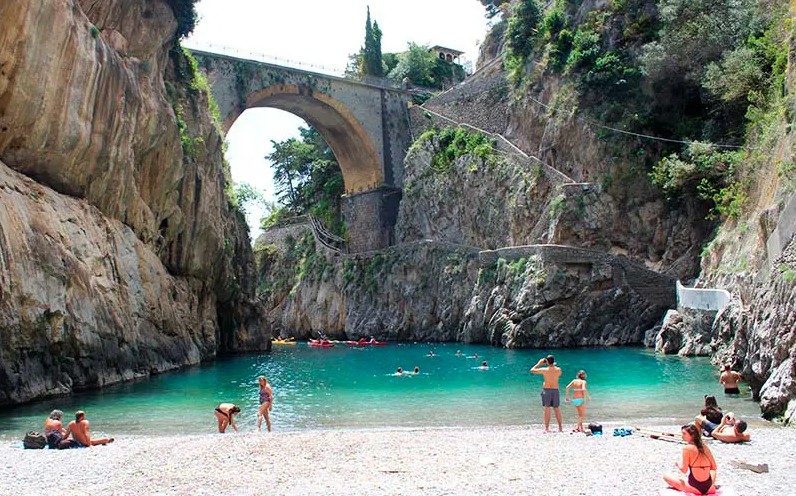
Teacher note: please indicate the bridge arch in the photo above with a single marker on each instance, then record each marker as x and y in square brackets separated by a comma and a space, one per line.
[350, 143]
[365, 125]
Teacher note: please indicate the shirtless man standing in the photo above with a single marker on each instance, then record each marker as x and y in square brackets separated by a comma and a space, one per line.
[730, 379]
[79, 430]
[550, 395]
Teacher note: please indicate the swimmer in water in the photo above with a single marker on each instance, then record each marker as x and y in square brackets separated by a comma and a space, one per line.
[484, 366]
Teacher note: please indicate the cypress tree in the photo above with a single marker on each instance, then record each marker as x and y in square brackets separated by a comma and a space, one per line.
[378, 67]
[371, 53]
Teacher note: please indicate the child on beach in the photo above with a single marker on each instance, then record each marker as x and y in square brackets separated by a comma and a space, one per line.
[266, 404]
[579, 397]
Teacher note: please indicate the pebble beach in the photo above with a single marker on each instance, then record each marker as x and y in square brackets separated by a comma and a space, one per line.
[437, 461]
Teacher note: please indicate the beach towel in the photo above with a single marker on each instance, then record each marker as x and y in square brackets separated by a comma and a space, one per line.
[721, 490]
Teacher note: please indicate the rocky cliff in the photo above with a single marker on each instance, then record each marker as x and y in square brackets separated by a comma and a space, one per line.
[528, 297]
[85, 112]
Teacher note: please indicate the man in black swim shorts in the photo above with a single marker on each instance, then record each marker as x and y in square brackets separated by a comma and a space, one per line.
[550, 393]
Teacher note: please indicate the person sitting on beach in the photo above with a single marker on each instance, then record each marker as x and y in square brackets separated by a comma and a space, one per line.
[266, 404]
[579, 397]
[224, 413]
[54, 431]
[550, 394]
[697, 462]
[484, 366]
[730, 379]
[731, 430]
[80, 436]
[710, 416]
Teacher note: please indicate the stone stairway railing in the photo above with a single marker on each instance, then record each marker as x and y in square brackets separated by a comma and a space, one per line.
[327, 239]
[557, 177]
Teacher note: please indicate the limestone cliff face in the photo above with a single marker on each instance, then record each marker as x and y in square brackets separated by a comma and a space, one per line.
[487, 203]
[427, 291]
[84, 110]
[84, 302]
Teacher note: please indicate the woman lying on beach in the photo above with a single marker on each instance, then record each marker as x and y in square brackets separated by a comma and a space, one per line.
[266, 404]
[698, 462]
[579, 397]
[710, 416]
[224, 413]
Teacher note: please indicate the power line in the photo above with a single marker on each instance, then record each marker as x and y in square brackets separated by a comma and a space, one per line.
[647, 136]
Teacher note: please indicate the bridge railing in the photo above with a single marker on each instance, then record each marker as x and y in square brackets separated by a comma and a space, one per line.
[380, 82]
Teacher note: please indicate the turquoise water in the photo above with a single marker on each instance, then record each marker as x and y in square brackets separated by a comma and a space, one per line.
[352, 387]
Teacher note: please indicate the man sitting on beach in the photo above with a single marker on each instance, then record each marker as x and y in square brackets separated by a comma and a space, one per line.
[550, 395]
[730, 379]
[731, 430]
[79, 430]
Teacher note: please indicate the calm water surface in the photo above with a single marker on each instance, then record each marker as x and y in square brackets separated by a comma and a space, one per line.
[352, 387]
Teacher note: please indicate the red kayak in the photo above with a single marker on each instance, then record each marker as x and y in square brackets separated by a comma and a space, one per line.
[366, 343]
[320, 344]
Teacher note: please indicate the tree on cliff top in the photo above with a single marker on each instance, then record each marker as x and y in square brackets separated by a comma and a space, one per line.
[371, 52]
[185, 13]
[308, 179]
[493, 7]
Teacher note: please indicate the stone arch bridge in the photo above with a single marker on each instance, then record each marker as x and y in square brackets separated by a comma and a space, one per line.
[366, 126]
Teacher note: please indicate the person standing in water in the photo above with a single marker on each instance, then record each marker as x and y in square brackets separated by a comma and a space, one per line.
[730, 379]
[697, 462]
[551, 398]
[224, 413]
[579, 397]
[266, 404]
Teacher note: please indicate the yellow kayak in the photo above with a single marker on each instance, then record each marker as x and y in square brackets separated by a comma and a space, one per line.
[279, 341]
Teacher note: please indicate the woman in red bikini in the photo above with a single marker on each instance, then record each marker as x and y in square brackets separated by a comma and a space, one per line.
[698, 462]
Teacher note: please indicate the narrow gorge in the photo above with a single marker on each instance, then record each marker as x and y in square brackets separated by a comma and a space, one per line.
[552, 199]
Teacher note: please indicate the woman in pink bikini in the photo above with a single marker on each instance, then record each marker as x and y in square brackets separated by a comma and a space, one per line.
[579, 397]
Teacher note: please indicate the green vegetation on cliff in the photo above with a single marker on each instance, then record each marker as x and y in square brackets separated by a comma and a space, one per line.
[705, 75]
[308, 179]
[451, 143]
[185, 13]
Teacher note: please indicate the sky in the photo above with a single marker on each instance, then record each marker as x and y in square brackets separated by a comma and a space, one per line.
[322, 33]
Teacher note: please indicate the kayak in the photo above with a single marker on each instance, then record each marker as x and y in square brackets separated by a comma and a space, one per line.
[359, 343]
[318, 344]
[277, 341]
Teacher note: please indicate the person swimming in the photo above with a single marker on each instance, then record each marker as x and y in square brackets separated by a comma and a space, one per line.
[484, 366]
[459, 353]
[399, 372]
[431, 354]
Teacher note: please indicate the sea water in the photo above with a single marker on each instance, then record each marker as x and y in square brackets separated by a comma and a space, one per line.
[354, 387]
